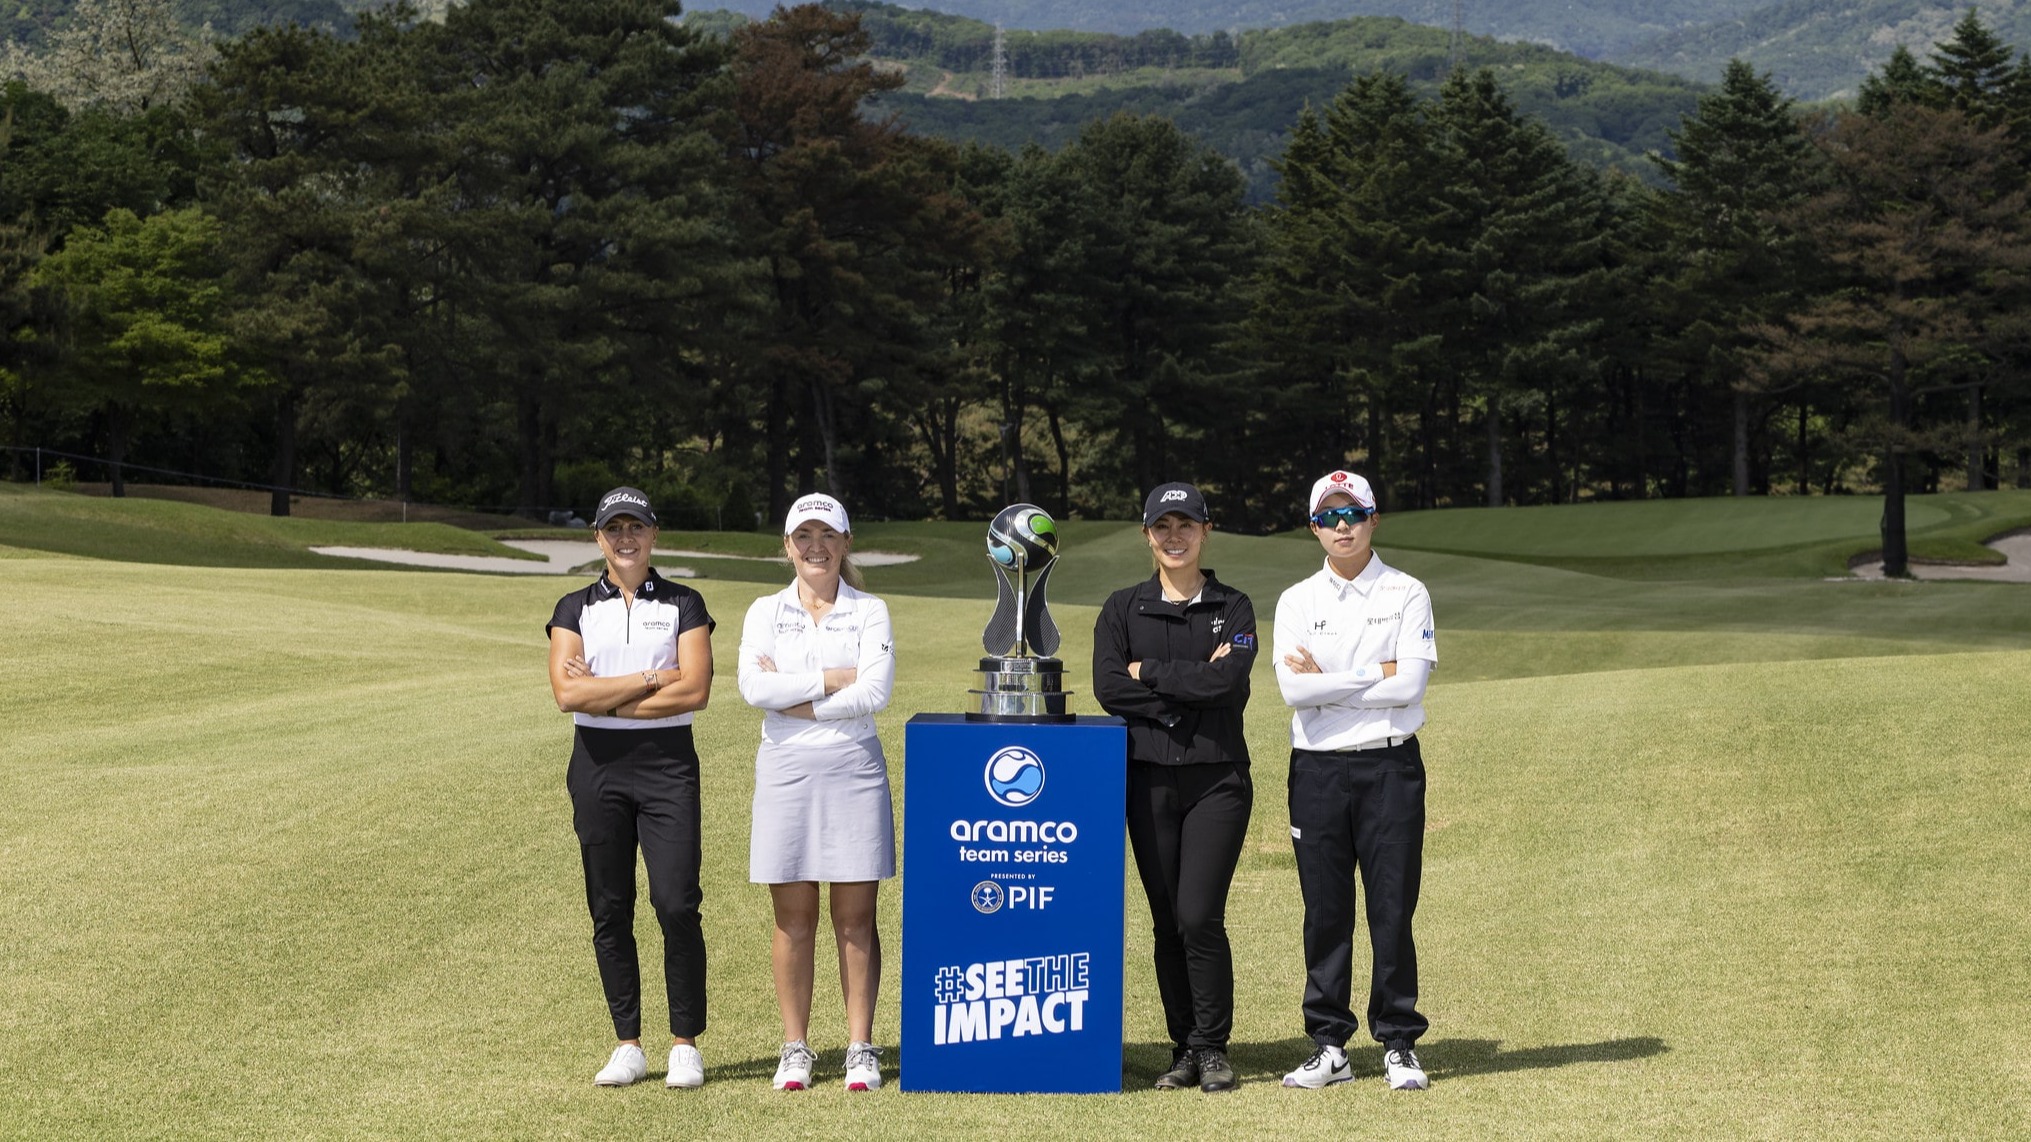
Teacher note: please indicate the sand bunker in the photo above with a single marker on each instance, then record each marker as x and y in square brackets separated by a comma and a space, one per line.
[562, 556]
[2016, 567]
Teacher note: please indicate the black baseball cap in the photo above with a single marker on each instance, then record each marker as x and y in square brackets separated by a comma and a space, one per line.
[624, 501]
[1181, 498]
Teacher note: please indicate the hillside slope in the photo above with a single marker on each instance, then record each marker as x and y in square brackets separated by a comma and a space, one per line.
[1822, 49]
[1595, 28]
[1607, 115]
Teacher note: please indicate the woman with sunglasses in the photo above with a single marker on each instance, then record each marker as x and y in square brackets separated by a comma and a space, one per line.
[1171, 656]
[631, 661]
[819, 657]
[1354, 648]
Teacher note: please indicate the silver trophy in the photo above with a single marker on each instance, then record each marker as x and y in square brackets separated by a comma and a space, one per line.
[1019, 680]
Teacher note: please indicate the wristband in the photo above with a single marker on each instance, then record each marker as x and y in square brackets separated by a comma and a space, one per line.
[650, 680]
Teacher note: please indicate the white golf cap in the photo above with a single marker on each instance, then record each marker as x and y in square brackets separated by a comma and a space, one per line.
[822, 508]
[1345, 483]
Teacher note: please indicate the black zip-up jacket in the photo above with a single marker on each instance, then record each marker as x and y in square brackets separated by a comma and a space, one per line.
[1185, 709]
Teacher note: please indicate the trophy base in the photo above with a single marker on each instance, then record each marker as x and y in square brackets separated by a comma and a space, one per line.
[1021, 690]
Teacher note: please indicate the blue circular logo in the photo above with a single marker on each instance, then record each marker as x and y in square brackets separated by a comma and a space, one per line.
[1015, 776]
[987, 897]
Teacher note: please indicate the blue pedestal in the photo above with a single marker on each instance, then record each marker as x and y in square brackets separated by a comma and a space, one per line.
[1012, 905]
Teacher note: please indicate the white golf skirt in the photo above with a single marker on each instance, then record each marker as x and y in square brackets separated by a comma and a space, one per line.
[822, 813]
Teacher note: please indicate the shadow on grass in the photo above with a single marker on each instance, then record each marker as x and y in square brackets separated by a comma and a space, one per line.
[761, 1068]
[1456, 1057]
[1444, 1058]
[1141, 1063]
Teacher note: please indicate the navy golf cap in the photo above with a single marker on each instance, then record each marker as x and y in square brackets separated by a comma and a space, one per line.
[1181, 498]
[624, 501]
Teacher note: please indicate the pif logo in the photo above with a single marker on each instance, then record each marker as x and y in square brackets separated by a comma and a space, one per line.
[1014, 776]
[988, 897]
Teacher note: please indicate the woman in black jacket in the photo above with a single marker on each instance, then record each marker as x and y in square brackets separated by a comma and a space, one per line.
[1172, 655]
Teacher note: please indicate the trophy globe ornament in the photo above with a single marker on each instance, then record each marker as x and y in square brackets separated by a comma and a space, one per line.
[1020, 680]
[1023, 537]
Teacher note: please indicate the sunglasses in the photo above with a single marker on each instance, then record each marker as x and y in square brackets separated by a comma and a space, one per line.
[1334, 517]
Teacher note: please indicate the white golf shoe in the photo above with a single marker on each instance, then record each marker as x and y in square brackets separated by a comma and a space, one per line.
[627, 1066]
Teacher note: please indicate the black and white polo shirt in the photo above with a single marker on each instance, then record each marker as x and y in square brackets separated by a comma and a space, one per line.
[623, 639]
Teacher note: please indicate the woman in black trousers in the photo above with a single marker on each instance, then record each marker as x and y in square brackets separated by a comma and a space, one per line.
[631, 661]
[1171, 655]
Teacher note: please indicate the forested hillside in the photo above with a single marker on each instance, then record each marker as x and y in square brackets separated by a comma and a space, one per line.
[1596, 28]
[535, 249]
[1242, 93]
[30, 20]
[1821, 49]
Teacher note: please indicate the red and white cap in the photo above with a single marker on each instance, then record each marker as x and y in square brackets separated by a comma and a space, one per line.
[820, 507]
[1345, 483]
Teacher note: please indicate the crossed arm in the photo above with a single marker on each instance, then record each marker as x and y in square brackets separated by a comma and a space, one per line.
[833, 693]
[660, 693]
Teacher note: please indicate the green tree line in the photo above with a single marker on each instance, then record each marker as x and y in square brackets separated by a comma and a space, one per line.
[533, 249]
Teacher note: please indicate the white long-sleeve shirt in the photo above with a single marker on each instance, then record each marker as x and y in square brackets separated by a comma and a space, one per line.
[855, 633]
[1351, 627]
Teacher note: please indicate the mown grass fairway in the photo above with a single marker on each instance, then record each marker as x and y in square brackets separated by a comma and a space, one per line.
[285, 852]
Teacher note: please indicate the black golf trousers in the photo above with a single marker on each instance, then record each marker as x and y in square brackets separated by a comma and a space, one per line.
[1360, 811]
[1186, 824]
[635, 789]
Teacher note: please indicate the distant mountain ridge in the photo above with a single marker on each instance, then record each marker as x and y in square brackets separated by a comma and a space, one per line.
[1599, 29]
[1822, 49]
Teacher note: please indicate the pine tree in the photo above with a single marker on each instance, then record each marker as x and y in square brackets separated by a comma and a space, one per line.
[856, 227]
[1164, 239]
[1532, 227]
[1360, 253]
[1902, 80]
[1742, 162]
[1923, 225]
[584, 204]
[1973, 73]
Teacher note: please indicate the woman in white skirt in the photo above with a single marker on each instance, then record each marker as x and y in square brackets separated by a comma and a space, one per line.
[819, 658]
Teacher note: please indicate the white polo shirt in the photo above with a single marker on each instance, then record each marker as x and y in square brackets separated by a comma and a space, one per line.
[1351, 627]
[624, 639]
[855, 632]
